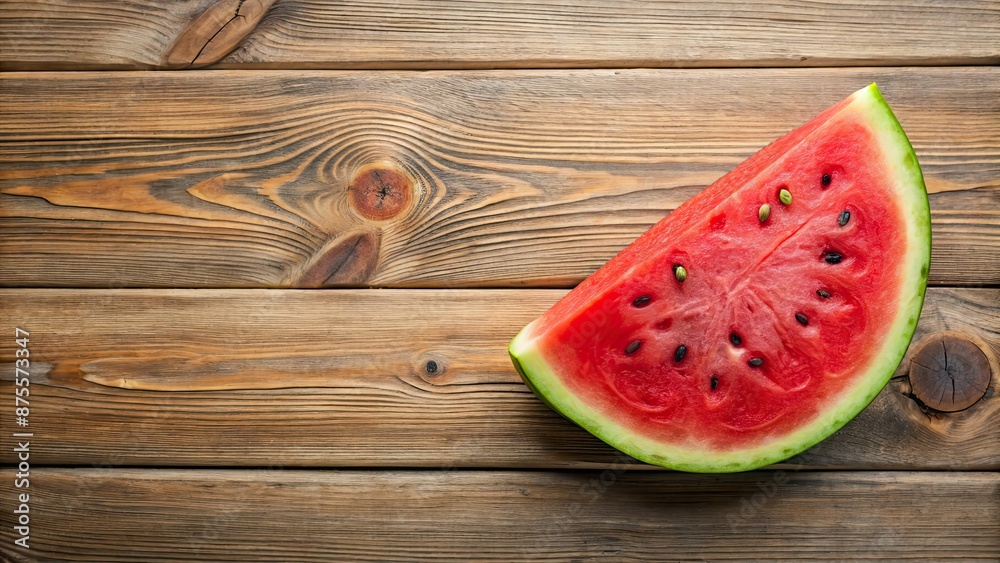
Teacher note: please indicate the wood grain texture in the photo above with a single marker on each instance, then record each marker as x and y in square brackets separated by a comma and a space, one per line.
[93, 34]
[147, 515]
[341, 378]
[438, 179]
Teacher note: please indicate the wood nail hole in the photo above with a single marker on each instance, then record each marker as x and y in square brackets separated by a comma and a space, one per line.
[949, 373]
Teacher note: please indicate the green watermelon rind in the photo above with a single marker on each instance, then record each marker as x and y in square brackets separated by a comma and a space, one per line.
[898, 153]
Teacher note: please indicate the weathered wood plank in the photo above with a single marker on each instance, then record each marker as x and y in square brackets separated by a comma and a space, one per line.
[475, 179]
[147, 514]
[341, 378]
[94, 34]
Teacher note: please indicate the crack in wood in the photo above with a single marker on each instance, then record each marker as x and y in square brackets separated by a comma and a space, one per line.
[216, 34]
[961, 365]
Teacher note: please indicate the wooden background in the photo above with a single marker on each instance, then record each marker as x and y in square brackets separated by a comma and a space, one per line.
[178, 181]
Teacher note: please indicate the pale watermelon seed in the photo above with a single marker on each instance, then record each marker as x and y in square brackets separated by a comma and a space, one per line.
[631, 348]
[764, 212]
[680, 273]
[785, 196]
[680, 352]
[755, 362]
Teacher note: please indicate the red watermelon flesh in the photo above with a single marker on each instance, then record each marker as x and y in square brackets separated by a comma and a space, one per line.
[789, 320]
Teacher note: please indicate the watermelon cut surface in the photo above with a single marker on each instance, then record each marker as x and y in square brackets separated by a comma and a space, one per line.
[731, 336]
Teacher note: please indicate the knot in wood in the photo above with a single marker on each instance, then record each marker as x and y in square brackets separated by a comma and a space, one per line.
[949, 373]
[380, 192]
[430, 366]
[215, 33]
[348, 260]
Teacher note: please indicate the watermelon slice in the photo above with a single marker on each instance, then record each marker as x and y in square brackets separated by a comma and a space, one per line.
[761, 315]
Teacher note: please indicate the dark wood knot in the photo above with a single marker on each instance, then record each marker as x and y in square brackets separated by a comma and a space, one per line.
[215, 33]
[430, 366]
[380, 191]
[949, 373]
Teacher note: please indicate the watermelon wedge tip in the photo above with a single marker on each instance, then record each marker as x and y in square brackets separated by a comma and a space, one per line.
[758, 317]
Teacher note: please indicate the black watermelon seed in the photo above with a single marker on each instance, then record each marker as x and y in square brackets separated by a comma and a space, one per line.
[735, 339]
[823, 293]
[631, 348]
[715, 382]
[755, 362]
[803, 320]
[833, 257]
[431, 366]
[845, 216]
[680, 352]
[641, 301]
[826, 180]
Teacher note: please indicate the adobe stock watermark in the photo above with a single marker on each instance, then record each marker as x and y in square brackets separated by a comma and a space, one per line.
[240, 503]
[752, 505]
[589, 493]
[22, 482]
